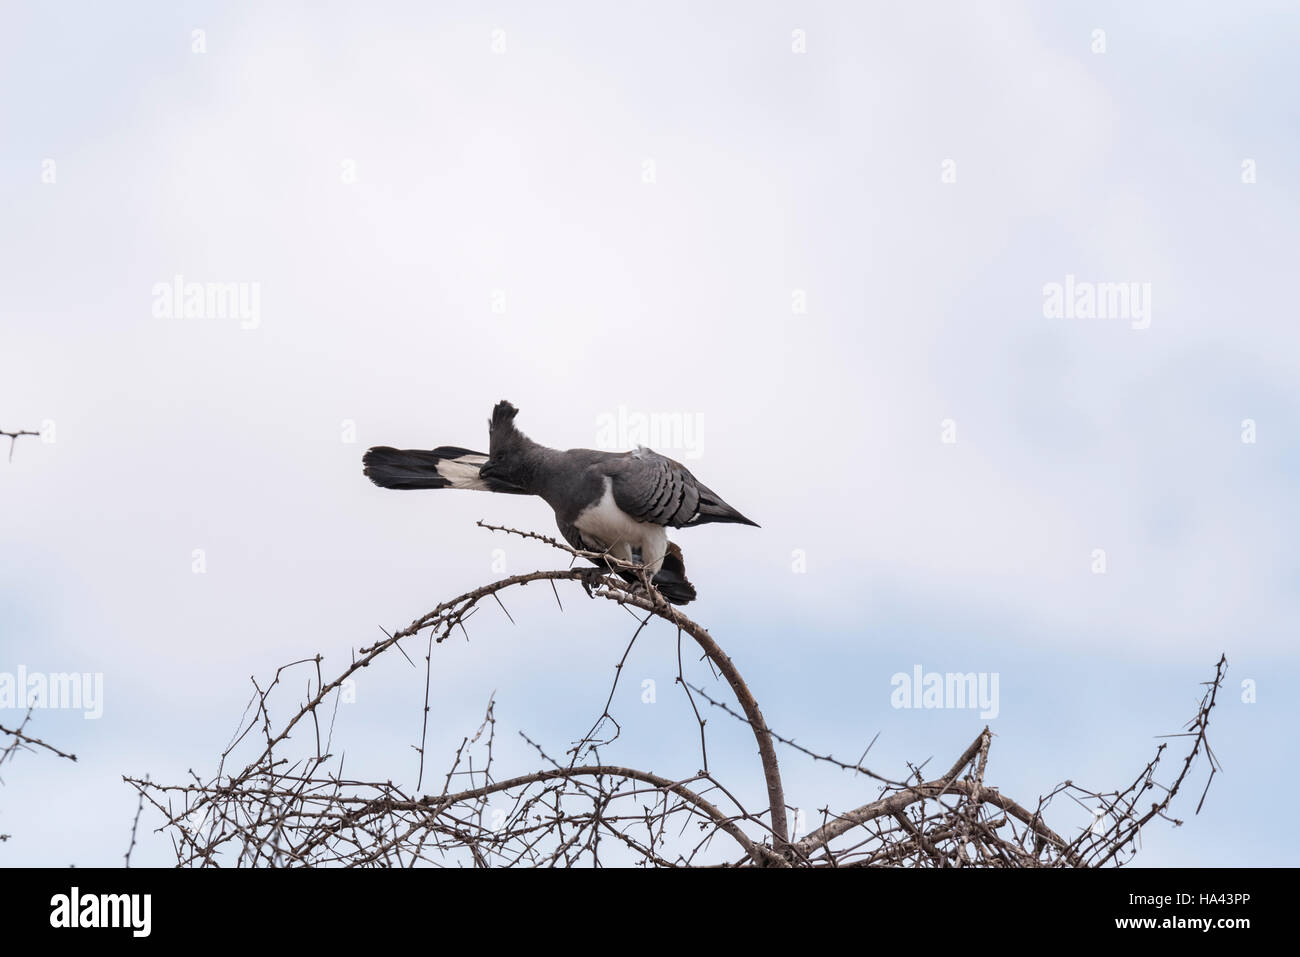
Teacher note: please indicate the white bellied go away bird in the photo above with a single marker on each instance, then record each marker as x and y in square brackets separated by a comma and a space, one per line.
[619, 503]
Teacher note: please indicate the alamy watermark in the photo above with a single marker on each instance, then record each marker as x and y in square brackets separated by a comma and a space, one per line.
[179, 299]
[934, 689]
[1081, 299]
[63, 690]
[76, 909]
[679, 433]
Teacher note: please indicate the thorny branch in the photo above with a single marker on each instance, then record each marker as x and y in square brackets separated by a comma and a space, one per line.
[20, 740]
[296, 807]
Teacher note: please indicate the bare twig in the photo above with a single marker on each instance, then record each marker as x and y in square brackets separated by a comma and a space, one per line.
[13, 438]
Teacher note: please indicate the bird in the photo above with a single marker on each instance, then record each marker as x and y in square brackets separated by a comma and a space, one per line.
[620, 504]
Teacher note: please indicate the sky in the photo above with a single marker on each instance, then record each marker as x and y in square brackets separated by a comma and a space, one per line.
[813, 246]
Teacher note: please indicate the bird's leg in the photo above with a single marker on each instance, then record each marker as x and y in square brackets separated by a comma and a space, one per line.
[646, 582]
[643, 585]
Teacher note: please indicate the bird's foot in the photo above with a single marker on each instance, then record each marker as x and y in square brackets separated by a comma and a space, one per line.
[645, 587]
[591, 578]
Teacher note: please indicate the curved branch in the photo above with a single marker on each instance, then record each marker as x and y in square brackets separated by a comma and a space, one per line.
[948, 784]
[653, 602]
[436, 804]
[753, 715]
[895, 803]
[450, 613]
[758, 853]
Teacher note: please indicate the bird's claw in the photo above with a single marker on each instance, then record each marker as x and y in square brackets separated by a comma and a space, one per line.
[591, 578]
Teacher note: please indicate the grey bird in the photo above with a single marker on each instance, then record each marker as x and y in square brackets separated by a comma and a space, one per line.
[617, 503]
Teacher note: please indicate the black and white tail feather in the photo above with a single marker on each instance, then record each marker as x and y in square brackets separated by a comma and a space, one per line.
[443, 467]
[618, 503]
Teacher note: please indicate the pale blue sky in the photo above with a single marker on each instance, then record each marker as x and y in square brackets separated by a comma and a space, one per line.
[523, 172]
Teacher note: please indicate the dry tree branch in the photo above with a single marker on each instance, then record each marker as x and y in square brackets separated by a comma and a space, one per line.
[287, 808]
[135, 823]
[21, 741]
[26, 742]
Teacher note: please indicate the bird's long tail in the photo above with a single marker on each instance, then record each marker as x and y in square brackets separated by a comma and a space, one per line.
[444, 467]
[671, 580]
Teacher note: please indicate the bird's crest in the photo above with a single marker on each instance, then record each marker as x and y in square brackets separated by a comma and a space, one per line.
[503, 413]
[502, 434]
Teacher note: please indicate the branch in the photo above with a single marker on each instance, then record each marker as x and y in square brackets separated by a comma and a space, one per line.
[13, 438]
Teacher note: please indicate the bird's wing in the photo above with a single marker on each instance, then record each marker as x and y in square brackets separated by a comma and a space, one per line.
[574, 537]
[654, 488]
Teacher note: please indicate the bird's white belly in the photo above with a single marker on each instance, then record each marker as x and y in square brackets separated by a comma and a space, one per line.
[619, 533]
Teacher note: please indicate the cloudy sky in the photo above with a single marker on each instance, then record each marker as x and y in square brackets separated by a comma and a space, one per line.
[823, 236]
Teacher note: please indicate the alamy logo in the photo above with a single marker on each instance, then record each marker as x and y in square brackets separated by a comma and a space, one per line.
[103, 910]
[1079, 299]
[179, 299]
[680, 433]
[933, 689]
[64, 690]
